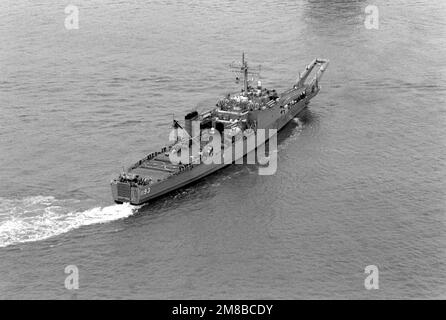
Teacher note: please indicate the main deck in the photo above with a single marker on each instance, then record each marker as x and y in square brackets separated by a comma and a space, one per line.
[156, 167]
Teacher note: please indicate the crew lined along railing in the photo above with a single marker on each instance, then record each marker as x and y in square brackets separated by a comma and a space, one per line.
[150, 156]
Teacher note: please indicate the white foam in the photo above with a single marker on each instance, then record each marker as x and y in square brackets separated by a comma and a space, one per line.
[297, 120]
[40, 217]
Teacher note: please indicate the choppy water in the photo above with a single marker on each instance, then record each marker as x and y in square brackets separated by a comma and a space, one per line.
[362, 182]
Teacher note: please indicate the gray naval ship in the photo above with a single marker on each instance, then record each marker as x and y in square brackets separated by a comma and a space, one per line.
[242, 114]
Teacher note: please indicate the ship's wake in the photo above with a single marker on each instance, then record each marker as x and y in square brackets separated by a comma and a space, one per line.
[38, 218]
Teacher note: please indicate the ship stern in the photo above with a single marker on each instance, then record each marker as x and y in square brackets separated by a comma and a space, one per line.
[124, 192]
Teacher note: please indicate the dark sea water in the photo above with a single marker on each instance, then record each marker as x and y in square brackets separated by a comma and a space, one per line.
[362, 182]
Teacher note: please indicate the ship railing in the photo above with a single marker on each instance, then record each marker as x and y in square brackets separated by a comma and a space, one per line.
[150, 156]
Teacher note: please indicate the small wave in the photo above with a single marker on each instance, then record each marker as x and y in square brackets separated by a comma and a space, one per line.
[38, 218]
[298, 122]
[125, 123]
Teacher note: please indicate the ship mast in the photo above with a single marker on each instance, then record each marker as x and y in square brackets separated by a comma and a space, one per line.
[243, 70]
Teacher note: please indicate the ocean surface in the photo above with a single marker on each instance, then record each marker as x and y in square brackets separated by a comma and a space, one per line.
[361, 182]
